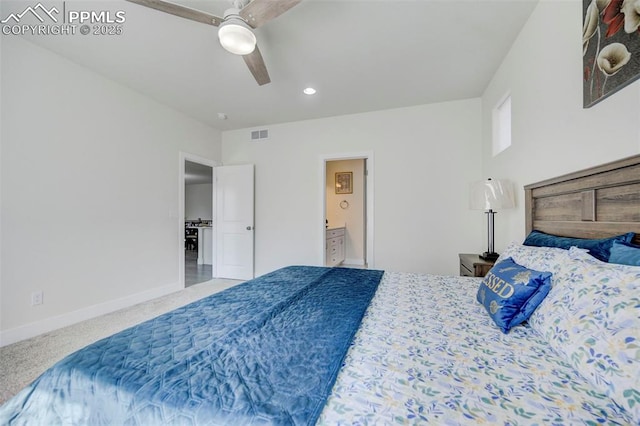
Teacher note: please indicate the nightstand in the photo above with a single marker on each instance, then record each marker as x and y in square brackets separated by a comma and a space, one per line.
[472, 266]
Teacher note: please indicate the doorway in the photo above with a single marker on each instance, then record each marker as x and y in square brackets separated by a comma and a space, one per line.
[347, 210]
[231, 245]
[198, 220]
[196, 230]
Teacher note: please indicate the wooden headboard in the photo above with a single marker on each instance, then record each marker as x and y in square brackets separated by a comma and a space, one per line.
[598, 202]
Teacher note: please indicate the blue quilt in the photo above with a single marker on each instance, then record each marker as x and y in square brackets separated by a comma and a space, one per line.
[264, 352]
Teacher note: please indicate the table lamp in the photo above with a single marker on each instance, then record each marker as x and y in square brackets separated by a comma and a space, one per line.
[488, 195]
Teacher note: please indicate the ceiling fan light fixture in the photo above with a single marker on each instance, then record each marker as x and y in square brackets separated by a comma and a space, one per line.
[236, 36]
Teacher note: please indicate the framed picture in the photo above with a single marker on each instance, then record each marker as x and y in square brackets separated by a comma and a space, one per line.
[610, 48]
[344, 183]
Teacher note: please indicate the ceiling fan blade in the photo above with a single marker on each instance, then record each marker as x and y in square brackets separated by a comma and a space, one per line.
[257, 67]
[181, 11]
[259, 12]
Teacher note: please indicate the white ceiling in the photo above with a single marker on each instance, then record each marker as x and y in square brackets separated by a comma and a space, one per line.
[360, 56]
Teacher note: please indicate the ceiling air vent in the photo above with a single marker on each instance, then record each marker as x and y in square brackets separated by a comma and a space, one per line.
[259, 135]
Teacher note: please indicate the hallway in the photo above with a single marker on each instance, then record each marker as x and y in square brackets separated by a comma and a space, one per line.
[194, 273]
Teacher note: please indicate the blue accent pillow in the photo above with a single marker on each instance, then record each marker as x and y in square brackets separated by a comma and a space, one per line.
[510, 293]
[600, 248]
[625, 254]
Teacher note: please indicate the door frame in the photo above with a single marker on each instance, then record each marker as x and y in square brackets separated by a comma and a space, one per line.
[370, 180]
[183, 157]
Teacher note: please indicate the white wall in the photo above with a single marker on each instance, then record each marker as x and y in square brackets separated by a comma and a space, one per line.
[89, 191]
[352, 215]
[552, 134]
[425, 157]
[198, 201]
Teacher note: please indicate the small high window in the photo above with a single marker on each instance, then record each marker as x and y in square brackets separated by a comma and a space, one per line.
[502, 125]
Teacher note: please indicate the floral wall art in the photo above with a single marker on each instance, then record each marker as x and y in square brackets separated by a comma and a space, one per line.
[610, 47]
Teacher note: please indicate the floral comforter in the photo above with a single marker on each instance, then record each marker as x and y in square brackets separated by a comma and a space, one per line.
[426, 351]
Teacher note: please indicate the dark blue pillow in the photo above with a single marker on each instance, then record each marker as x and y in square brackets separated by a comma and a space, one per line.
[600, 249]
[510, 293]
[625, 254]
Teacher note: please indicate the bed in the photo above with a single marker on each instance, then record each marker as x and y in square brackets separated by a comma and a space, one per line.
[314, 345]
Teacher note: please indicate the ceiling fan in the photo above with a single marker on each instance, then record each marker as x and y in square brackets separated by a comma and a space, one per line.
[235, 28]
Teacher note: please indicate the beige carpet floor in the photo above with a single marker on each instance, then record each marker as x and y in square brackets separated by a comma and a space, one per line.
[23, 362]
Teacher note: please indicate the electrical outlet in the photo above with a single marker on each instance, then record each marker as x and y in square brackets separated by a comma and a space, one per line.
[37, 298]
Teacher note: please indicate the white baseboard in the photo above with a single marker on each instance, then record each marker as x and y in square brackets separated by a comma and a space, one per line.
[36, 328]
[359, 262]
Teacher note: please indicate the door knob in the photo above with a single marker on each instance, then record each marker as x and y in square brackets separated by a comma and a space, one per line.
[248, 228]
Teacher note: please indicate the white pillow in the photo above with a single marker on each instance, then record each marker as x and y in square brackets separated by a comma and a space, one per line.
[546, 259]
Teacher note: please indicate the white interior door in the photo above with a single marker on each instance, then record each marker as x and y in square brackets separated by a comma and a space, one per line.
[234, 221]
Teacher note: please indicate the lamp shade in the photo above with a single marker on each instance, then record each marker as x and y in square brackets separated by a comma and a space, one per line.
[491, 194]
[236, 36]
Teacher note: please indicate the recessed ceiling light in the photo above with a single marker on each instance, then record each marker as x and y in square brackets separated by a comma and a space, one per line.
[309, 91]
[222, 116]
